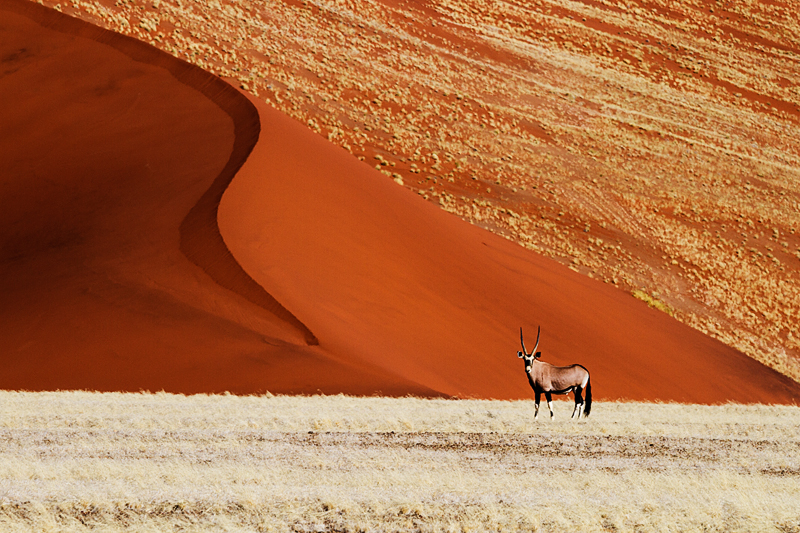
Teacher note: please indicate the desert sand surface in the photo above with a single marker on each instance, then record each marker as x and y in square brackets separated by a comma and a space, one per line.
[164, 231]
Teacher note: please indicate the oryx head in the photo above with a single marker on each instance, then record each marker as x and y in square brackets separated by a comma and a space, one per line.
[529, 357]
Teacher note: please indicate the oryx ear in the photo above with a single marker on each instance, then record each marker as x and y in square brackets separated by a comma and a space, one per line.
[519, 354]
[538, 355]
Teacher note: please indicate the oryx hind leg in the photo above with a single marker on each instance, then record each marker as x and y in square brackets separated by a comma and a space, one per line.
[578, 403]
[549, 398]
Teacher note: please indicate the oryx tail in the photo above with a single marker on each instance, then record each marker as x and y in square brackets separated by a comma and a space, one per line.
[587, 407]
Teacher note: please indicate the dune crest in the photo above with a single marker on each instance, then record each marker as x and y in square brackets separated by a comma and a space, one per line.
[201, 241]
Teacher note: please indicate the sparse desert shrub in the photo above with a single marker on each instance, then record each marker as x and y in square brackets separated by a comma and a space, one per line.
[652, 301]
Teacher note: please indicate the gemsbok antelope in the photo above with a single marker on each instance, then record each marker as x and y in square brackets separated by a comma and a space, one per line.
[548, 379]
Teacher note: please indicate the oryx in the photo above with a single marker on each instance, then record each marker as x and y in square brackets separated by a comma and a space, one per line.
[548, 379]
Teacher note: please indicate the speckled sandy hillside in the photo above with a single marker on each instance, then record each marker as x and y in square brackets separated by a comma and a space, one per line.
[647, 144]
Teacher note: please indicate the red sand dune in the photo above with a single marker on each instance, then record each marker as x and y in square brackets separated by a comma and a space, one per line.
[114, 274]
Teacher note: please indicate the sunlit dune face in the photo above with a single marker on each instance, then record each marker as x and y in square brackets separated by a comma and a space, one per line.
[651, 146]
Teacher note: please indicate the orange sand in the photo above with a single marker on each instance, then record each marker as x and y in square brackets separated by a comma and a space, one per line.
[331, 278]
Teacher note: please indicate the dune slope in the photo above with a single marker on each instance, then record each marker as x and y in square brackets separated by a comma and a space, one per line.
[114, 274]
[383, 276]
[652, 145]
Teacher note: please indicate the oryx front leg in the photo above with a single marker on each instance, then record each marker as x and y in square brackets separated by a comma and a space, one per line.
[549, 398]
[536, 411]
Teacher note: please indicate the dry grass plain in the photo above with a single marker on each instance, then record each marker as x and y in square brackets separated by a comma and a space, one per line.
[79, 461]
[648, 144]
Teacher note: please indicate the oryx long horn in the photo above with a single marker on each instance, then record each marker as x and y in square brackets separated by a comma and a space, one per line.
[538, 333]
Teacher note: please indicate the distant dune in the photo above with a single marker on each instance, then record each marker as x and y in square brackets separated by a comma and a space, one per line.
[163, 231]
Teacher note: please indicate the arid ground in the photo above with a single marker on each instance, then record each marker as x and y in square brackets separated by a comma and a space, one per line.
[141, 462]
[648, 144]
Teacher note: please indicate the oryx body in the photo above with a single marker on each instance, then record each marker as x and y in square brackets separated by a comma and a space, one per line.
[548, 379]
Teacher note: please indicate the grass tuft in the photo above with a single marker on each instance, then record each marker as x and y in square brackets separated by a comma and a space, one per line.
[652, 301]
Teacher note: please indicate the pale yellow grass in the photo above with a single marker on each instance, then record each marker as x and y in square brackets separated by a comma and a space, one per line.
[74, 461]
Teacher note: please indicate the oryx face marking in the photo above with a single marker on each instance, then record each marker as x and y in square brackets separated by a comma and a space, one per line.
[528, 362]
[548, 379]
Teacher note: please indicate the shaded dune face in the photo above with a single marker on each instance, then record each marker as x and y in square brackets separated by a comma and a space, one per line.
[162, 231]
[113, 274]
